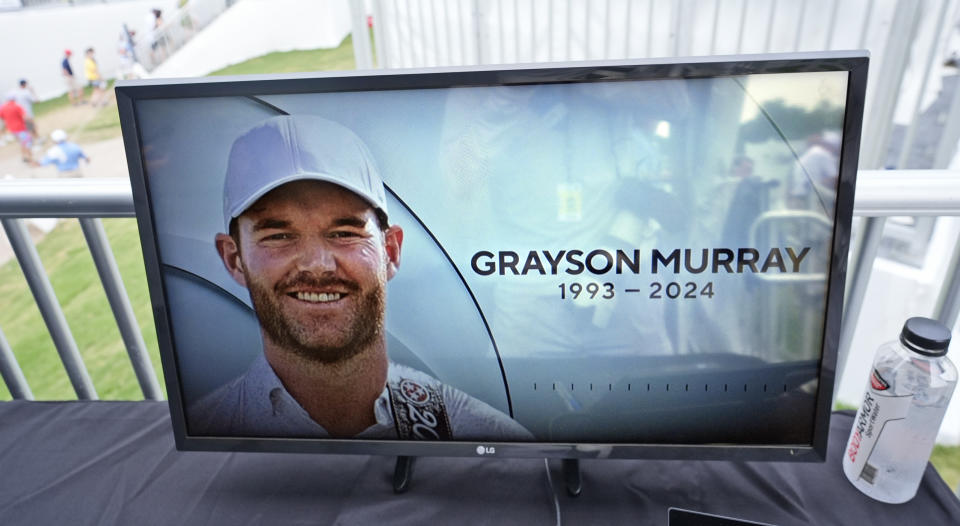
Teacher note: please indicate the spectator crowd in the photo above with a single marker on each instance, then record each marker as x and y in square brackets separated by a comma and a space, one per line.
[84, 84]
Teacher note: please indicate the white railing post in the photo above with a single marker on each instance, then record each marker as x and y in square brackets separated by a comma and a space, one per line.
[950, 134]
[380, 28]
[907, 144]
[886, 91]
[833, 24]
[361, 38]
[773, 14]
[478, 29]
[948, 302]
[862, 267]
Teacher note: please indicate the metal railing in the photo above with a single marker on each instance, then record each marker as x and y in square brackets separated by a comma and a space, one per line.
[87, 200]
[879, 194]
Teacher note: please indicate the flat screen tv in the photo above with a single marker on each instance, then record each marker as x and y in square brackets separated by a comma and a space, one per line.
[601, 259]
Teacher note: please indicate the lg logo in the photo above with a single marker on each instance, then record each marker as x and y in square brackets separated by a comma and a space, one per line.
[486, 450]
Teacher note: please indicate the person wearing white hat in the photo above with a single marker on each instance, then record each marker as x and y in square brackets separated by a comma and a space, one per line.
[306, 232]
[65, 155]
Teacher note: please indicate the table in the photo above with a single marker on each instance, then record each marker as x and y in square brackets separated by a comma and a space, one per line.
[115, 463]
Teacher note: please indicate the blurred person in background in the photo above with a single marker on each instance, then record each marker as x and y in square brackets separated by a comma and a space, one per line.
[65, 155]
[13, 117]
[813, 179]
[94, 80]
[74, 92]
[158, 44]
[125, 50]
[25, 97]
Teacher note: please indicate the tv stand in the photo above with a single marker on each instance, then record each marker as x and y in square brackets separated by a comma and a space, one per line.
[402, 474]
[571, 476]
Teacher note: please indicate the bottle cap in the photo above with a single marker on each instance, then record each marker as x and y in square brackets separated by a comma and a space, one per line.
[925, 336]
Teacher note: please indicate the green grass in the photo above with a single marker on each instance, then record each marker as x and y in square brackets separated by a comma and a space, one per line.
[50, 105]
[105, 124]
[337, 59]
[840, 406]
[76, 284]
[46, 106]
[947, 461]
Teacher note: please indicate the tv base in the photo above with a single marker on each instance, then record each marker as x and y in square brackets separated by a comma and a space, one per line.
[402, 474]
[571, 476]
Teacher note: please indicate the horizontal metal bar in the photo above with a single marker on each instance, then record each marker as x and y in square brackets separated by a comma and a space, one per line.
[907, 193]
[879, 193]
[106, 197]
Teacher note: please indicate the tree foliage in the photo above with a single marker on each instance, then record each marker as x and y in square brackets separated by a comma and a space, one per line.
[794, 122]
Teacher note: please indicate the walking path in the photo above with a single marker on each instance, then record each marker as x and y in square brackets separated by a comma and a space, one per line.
[107, 160]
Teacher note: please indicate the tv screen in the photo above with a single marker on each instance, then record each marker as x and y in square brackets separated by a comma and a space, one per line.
[595, 259]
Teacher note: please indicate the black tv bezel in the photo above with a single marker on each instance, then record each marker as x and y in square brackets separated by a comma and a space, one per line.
[128, 93]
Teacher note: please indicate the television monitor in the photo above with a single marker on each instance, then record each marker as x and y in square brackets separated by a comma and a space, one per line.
[623, 259]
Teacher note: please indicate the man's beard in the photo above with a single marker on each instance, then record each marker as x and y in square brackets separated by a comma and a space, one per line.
[364, 324]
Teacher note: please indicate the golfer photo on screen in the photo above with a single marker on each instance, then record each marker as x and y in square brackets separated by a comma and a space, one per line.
[306, 232]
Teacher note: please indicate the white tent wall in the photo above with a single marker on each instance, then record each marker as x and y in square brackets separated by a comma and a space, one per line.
[34, 40]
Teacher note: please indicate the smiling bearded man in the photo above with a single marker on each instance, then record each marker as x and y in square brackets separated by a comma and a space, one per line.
[301, 336]
[309, 238]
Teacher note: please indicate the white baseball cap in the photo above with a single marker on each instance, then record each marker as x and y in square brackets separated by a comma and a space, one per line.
[291, 148]
[58, 135]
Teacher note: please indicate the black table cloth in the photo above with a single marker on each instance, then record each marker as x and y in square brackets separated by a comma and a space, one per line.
[115, 463]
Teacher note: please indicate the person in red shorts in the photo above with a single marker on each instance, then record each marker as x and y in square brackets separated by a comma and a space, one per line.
[15, 119]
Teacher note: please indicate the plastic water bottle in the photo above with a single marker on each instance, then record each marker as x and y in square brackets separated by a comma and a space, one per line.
[894, 431]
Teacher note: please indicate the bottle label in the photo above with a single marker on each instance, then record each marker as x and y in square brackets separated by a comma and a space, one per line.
[877, 383]
[878, 411]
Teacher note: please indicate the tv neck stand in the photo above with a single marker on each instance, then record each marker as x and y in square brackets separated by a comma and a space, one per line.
[402, 474]
[571, 476]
